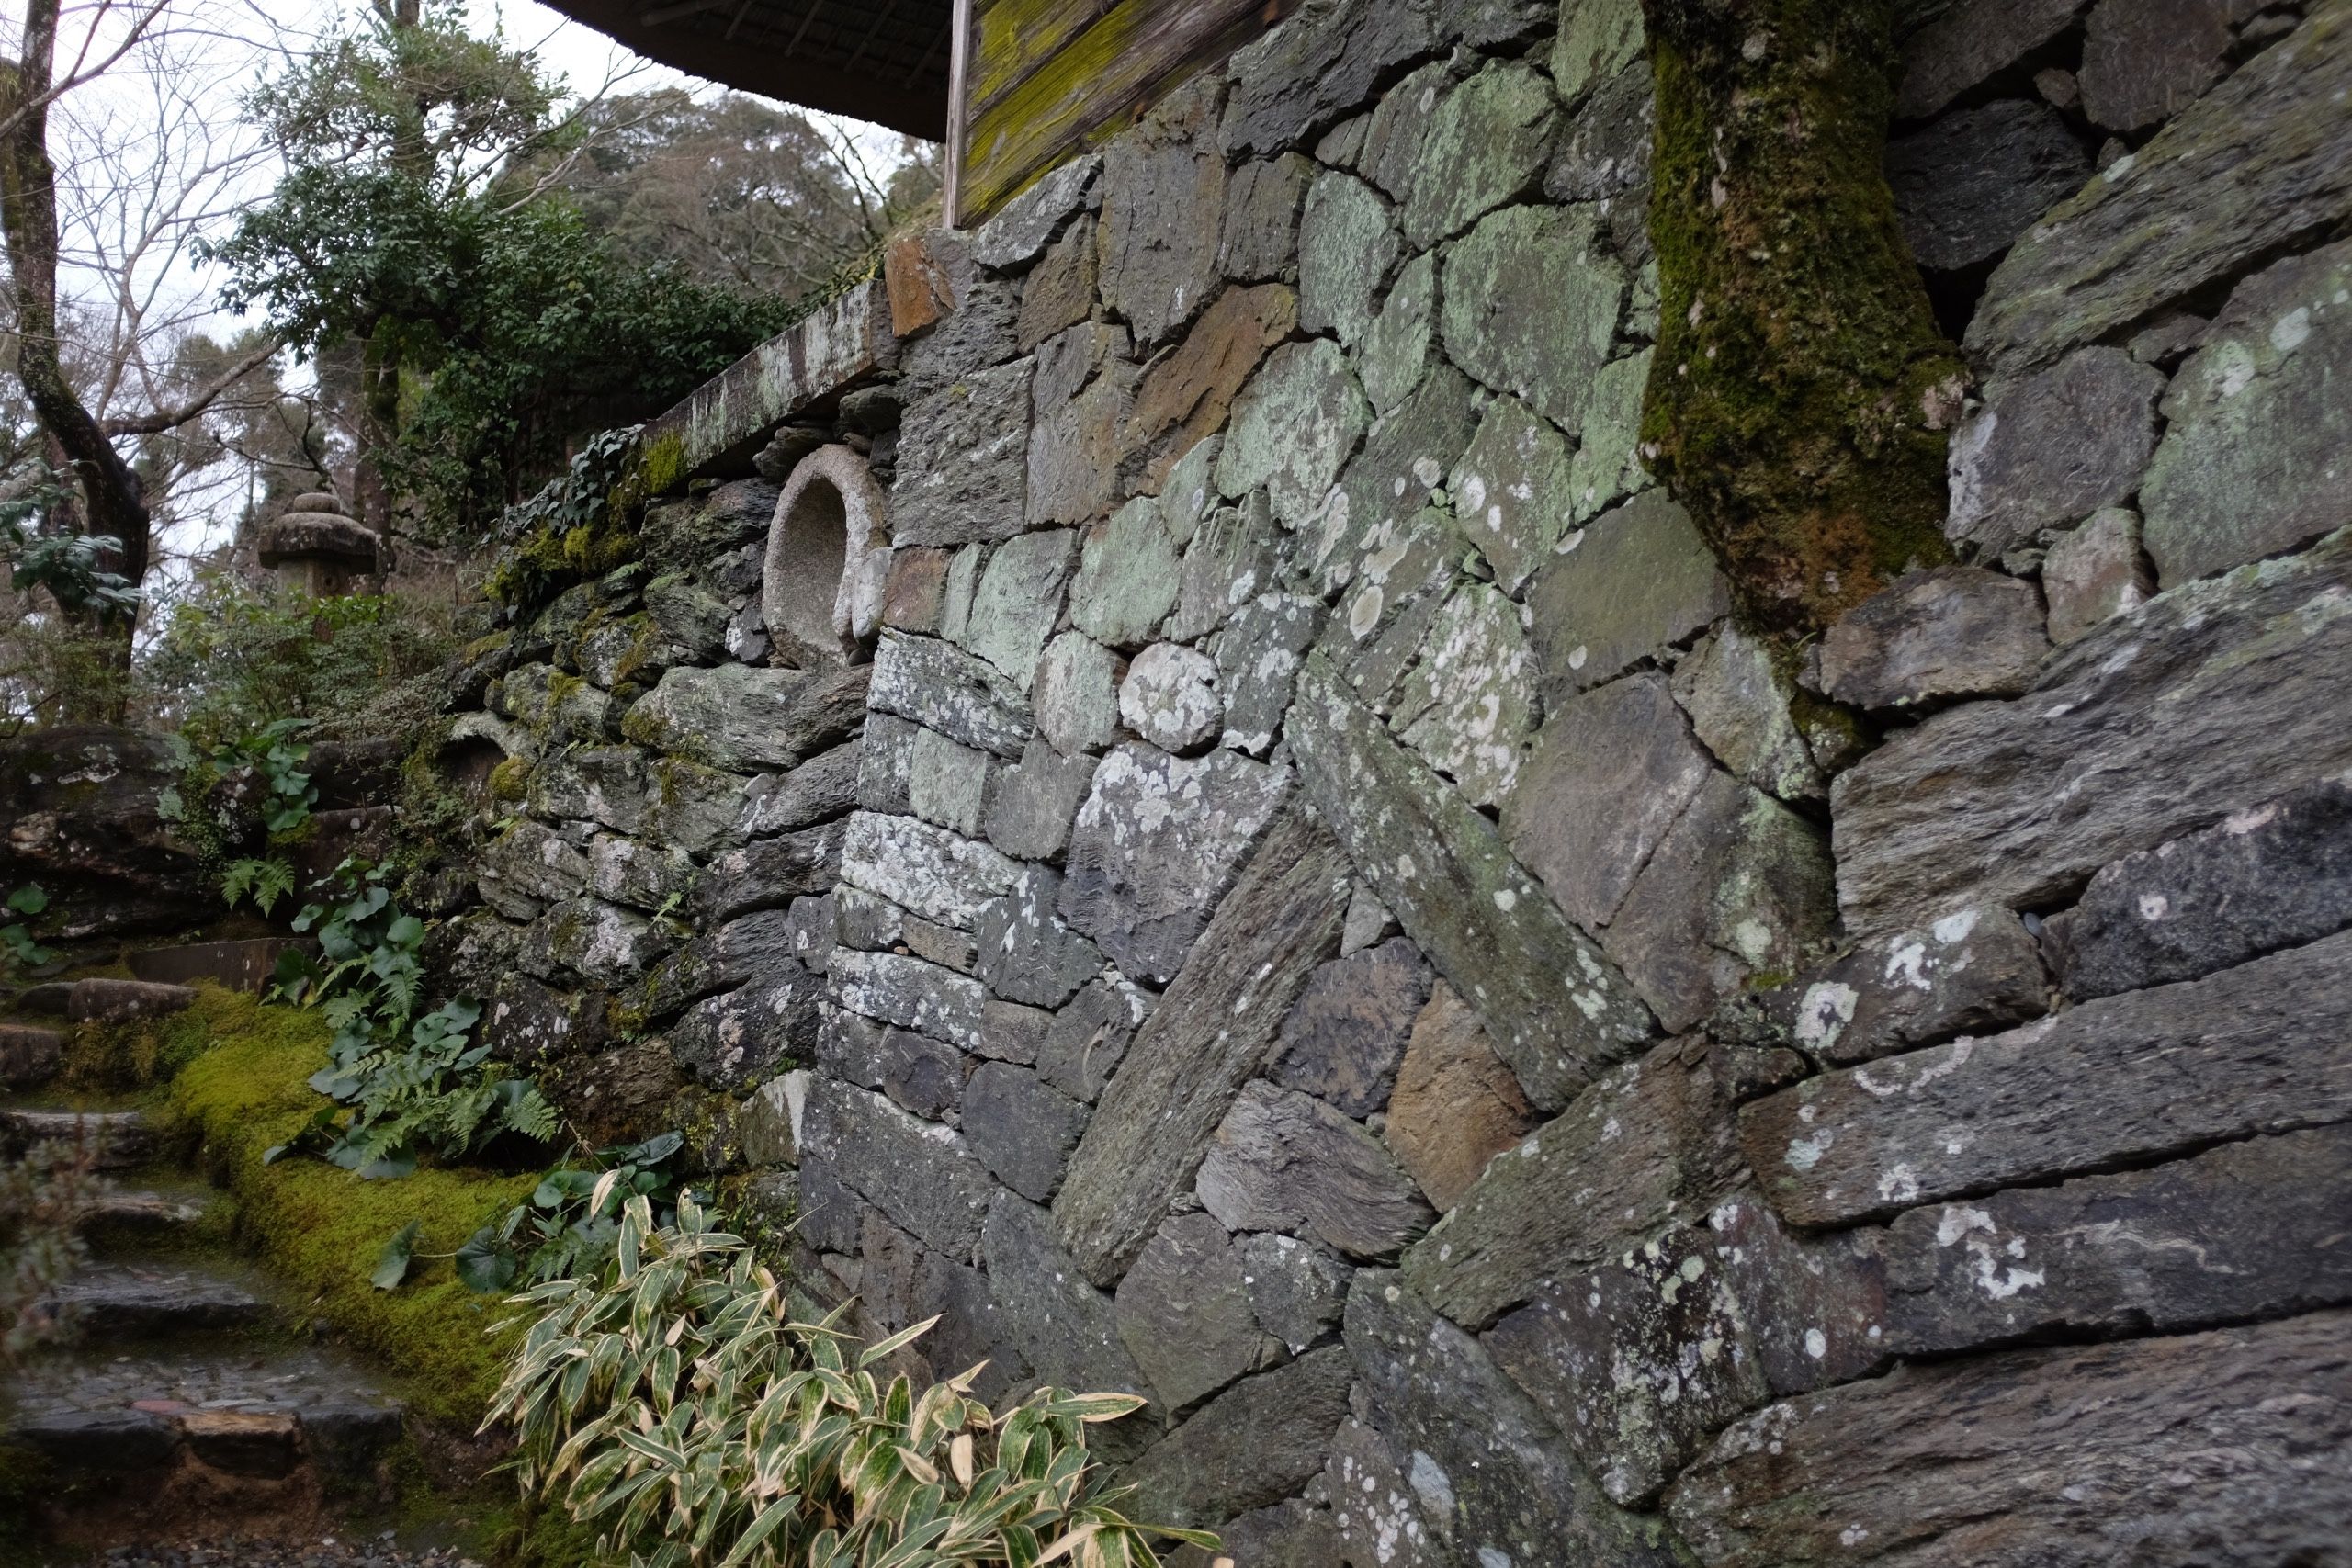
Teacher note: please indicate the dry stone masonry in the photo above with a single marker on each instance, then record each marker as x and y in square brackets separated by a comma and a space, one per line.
[1216, 829]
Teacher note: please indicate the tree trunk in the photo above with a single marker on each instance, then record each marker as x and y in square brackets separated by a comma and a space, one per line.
[113, 499]
[1800, 399]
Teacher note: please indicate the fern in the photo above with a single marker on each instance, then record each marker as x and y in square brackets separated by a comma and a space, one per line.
[264, 881]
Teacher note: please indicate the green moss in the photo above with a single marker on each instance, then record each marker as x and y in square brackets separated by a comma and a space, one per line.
[663, 465]
[511, 780]
[1799, 402]
[321, 1228]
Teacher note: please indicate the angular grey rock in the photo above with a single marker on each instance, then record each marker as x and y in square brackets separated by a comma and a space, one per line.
[1394, 349]
[823, 787]
[1344, 1039]
[1396, 131]
[1170, 697]
[1019, 600]
[964, 461]
[1932, 636]
[1089, 1037]
[2263, 158]
[1229, 562]
[812, 929]
[911, 993]
[1974, 807]
[729, 1041]
[1284, 1161]
[918, 1173]
[1253, 1445]
[718, 960]
[1596, 42]
[1556, 1011]
[687, 806]
[1368, 921]
[963, 344]
[1073, 452]
[1259, 656]
[1972, 43]
[1374, 1509]
[1163, 184]
[2142, 64]
[943, 688]
[2089, 1471]
[1487, 144]
[1067, 1329]
[1030, 809]
[1467, 705]
[1291, 1534]
[1020, 1128]
[1158, 839]
[1058, 293]
[1503, 1486]
[2094, 572]
[1739, 886]
[2254, 1049]
[2258, 421]
[689, 614]
[1078, 709]
[2051, 447]
[732, 716]
[1201, 1042]
[602, 944]
[1185, 1315]
[770, 1123]
[770, 873]
[1615, 591]
[1294, 428]
[1320, 65]
[1346, 247]
[1388, 489]
[1619, 1357]
[886, 765]
[1297, 1290]
[1739, 703]
[1611, 771]
[1066, 363]
[526, 1024]
[1606, 153]
[1651, 1143]
[1531, 301]
[1262, 200]
[1512, 491]
[849, 1046]
[923, 1077]
[1127, 578]
[947, 783]
[937, 874]
[1971, 183]
[2273, 876]
[2188, 1244]
[1011, 1032]
[1029, 222]
[1971, 972]
[526, 868]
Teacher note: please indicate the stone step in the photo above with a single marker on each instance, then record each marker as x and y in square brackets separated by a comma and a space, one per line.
[49, 998]
[103, 1001]
[122, 1139]
[141, 1215]
[29, 1054]
[245, 966]
[111, 1302]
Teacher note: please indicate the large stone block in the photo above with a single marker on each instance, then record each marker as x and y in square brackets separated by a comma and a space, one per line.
[1067, 1329]
[1972, 182]
[731, 1041]
[2244, 1231]
[1388, 489]
[1932, 636]
[1207, 1034]
[1163, 184]
[1293, 428]
[1620, 589]
[1283, 1161]
[1021, 1128]
[1555, 1009]
[1156, 842]
[770, 873]
[2177, 1450]
[964, 461]
[2263, 158]
[1651, 1143]
[1375, 1510]
[1029, 222]
[945, 689]
[2209, 698]
[1259, 237]
[1394, 349]
[1741, 703]
[1228, 562]
[1185, 1315]
[1960, 46]
[911, 993]
[2272, 876]
[1030, 809]
[1297, 1289]
[1018, 602]
[1253, 1445]
[1170, 697]
[2053, 446]
[1074, 452]
[1467, 705]
[1343, 1041]
[1512, 491]
[2254, 1049]
[1487, 143]
[2142, 63]
[2258, 421]
[1185, 395]
[1495, 1481]
[1321, 64]
[938, 875]
[1597, 39]
[1076, 696]
[1531, 300]
[1025, 953]
[1346, 248]
[1455, 1105]
[1089, 1037]
[917, 1172]
[2094, 572]
[1259, 656]
[1127, 576]
[1973, 972]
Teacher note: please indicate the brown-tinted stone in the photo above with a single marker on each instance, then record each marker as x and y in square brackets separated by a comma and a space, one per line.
[1060, 289]
[919, 284]
[1455, 1105]
[1186, 395]
[1344, 1039]
[2094, 572]
[1285, 1161]
[1954, 631]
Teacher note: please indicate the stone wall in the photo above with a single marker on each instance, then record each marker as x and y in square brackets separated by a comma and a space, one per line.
[1302, 905]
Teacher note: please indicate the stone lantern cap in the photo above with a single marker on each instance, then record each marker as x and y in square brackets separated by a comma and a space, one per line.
[315, 536]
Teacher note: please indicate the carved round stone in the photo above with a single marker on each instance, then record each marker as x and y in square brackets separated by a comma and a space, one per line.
[1170, 697]
[829, 553]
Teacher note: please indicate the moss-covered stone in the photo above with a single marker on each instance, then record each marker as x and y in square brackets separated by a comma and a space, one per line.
[1800, 398]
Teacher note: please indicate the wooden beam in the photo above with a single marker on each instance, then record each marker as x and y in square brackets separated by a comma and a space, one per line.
[958, 111]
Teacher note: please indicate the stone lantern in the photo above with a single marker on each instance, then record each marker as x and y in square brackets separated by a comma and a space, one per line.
[313, 546]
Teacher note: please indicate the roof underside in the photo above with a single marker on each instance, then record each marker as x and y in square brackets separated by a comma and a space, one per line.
[886, 61]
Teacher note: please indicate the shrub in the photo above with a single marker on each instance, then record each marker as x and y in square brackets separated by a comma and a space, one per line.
[676, 1400]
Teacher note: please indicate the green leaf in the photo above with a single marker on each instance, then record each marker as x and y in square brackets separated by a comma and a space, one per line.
[392, 1267]
[485, 1263]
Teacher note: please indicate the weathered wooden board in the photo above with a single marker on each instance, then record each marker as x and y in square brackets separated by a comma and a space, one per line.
[1043, 79]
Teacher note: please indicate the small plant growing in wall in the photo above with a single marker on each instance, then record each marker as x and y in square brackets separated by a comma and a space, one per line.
[676, 1401]
[17, 948]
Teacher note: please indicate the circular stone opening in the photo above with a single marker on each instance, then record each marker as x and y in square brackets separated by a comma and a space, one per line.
[828, 551]
[465, 762]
